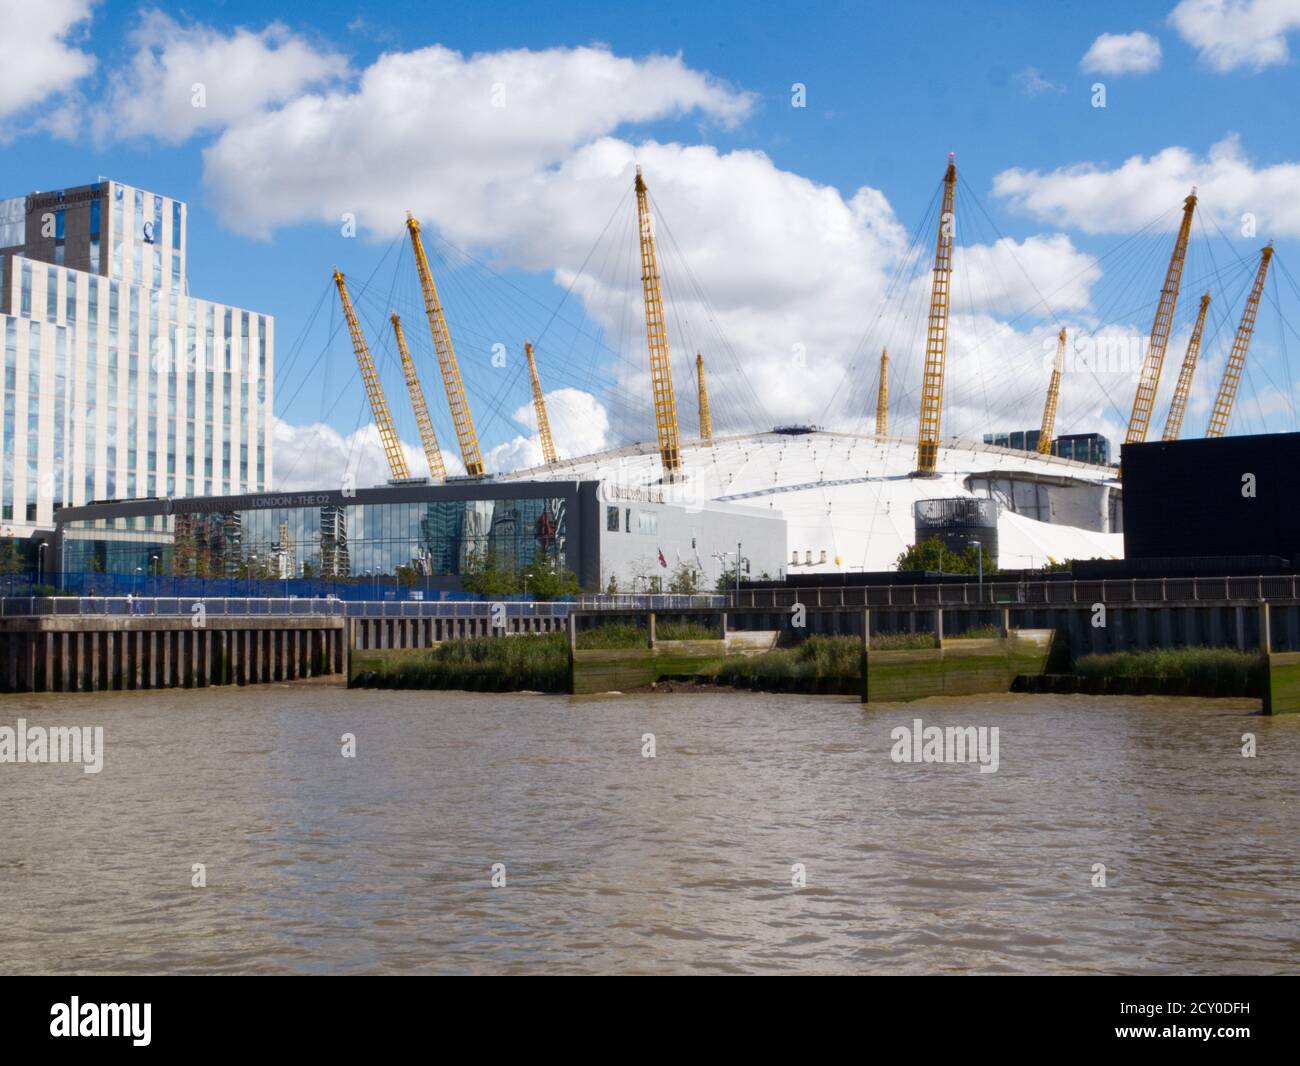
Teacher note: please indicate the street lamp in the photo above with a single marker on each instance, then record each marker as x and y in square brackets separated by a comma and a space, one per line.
[979, 558]
[527, 575]
[40, 563]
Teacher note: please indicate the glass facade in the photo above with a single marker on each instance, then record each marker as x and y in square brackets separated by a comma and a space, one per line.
[1083, 447]
[407, 542]
[13, 222]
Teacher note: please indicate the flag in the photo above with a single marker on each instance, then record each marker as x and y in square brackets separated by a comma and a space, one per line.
[662, 561]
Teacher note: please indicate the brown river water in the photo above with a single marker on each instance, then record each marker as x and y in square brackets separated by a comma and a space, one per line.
[614, 862]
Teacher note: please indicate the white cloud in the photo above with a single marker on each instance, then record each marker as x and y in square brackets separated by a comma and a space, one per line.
[579, 425]
[421, 130]
[1038, 273]
[1237, 33]
[175, 67]
[1125, 198]
[318, 456]
[36, 60]
[1122, 53]
[1032, 83]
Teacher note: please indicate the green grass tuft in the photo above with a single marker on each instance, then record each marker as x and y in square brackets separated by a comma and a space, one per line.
[1209, 670]
[686, 631]
[612, 635]
[819, 664]
[532, 662]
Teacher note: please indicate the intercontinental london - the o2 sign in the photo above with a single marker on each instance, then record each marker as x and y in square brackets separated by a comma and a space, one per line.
[60, 200]
[243, 503]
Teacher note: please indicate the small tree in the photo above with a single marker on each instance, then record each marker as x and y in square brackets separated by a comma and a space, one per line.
[11, 559]
[931, 555]
[486, 575]
[550, 581]
[685, 580]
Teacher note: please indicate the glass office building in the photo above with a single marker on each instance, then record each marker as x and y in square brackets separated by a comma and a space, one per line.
[118, 384]
[405, 540]
[1081, 447]
[413, 535]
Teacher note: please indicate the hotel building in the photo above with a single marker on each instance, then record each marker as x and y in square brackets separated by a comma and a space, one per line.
[119, 384]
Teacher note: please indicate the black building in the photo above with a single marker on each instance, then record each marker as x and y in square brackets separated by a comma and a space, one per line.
[1218, 496]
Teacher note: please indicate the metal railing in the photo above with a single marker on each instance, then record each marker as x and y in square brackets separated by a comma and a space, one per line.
[656, 601]
[1028, 593]
[244, 606]
[990, 593]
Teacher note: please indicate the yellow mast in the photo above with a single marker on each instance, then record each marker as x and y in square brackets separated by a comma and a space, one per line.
[460, 413]
[539, 405]
[1178, 405]
[656, 335]
[706, 419]
[427, 436]
[936, 337]
[882, 397]
[1240, 345]
[375, 392]
[1149, 381]
[1053, 394]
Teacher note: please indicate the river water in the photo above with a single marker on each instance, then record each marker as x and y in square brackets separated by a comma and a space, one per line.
[382, 863]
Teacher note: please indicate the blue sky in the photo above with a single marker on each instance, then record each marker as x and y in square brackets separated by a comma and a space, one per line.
[890, 90]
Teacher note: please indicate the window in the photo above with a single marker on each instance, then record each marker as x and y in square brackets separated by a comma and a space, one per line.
[13, 225]
[611, 519]
[627, 527]
[647, 523]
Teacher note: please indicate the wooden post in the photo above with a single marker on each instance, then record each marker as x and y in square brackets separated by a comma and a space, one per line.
[938, 627]
[573, 649]
[650, 625]
[866, 651]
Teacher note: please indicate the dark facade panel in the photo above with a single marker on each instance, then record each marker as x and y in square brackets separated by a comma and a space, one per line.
[1193, 497]
[68, 243]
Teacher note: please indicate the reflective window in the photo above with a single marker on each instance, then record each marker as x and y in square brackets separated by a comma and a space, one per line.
[408, 542]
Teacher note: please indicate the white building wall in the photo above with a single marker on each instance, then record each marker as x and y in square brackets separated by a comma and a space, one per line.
[704, 538]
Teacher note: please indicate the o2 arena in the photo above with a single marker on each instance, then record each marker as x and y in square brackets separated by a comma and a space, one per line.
[847, 499]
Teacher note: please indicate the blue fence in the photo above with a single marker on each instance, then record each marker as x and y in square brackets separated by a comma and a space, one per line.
[220, 587]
